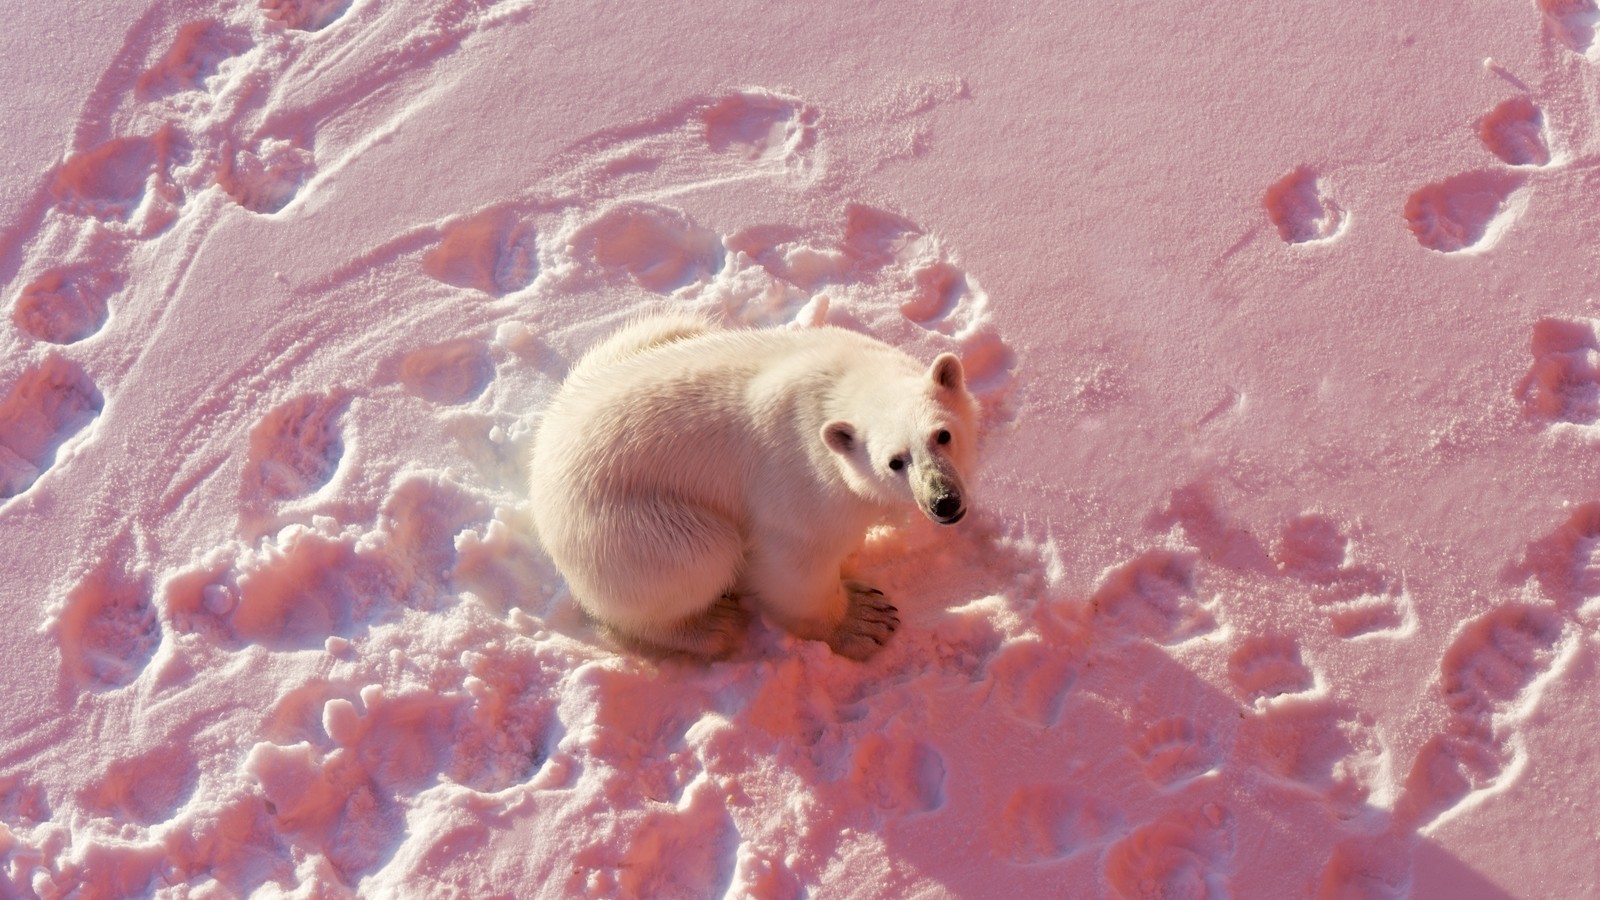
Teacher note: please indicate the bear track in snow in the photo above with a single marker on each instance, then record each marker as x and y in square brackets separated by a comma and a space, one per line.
[50, 403]
[304, 15]
[1266, 667]
[1046, 822]
[1300, 211]
[108, 627]
[1563, 385]
[295, 449]
[1514, 131]
[66, 304]
[1463, 212]
[493, 251]
[1175, 751]
[1484, 675]
[1572, 22]
[1180, 854]
[1360, 600]
[449, 373]
[147, 788]
[1153, 596]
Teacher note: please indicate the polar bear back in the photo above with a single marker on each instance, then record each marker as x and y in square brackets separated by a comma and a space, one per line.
[716, 419]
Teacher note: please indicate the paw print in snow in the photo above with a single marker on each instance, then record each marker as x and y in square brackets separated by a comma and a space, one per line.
[1563, 385]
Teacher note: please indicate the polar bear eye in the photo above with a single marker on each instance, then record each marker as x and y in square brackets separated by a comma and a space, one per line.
[942, 437]
[897, 463]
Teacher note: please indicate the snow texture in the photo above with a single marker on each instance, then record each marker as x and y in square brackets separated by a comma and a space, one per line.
[1281, 577]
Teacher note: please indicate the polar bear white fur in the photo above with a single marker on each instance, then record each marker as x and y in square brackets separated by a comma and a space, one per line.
[684, 475]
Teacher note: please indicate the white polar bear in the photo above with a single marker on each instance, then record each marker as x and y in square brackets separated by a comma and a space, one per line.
[683, 473]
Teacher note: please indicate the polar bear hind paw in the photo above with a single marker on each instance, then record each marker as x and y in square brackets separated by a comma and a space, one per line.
[868, 622]
[713, 634]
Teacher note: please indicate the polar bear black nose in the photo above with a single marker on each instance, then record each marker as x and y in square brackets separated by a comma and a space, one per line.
[947, 508]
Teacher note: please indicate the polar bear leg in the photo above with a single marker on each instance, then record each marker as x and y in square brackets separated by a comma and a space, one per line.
[713, 634]
[812, 602]
[665, 577]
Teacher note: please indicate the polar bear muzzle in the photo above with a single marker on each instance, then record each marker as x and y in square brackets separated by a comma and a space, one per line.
[939, 495]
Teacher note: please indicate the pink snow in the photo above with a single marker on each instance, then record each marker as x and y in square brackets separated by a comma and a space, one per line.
[1281, 578]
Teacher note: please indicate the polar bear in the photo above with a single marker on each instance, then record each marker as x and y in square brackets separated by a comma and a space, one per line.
[685, 475]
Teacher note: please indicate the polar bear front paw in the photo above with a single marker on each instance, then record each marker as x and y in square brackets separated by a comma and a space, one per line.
[867, 623]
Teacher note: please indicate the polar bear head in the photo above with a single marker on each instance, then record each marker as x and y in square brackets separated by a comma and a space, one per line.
[914, 441]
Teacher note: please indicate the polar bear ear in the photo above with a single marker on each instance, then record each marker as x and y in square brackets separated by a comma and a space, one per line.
[946, 372]
[840, 437]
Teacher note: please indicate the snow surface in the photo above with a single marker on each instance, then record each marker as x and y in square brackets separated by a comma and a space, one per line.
[1283, 578]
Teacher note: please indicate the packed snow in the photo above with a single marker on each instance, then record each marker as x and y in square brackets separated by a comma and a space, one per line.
[1282, 572]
